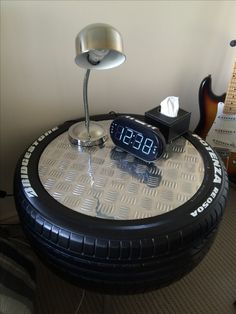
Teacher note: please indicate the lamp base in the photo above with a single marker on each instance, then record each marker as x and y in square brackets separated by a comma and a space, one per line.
[78, 134]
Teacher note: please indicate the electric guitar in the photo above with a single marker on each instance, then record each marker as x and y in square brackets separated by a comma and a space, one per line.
[218, 121]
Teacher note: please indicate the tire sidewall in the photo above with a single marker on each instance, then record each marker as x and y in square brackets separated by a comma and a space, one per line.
[29, 187]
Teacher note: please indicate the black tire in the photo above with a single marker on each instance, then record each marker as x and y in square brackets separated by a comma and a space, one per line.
[122, 256]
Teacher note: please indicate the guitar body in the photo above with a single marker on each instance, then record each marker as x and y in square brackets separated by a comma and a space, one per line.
[217, 128]
[208, 104]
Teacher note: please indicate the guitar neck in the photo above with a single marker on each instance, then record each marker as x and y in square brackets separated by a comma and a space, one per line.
[230, 100]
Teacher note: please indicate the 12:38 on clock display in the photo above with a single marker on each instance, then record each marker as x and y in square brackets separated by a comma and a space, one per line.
[138, 138]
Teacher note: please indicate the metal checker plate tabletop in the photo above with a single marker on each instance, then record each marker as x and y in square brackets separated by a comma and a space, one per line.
[108, 183]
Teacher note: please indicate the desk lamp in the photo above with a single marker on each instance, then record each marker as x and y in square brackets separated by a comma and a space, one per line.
[99, 47]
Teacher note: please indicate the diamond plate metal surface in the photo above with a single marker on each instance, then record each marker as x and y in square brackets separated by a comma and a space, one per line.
[108, 183]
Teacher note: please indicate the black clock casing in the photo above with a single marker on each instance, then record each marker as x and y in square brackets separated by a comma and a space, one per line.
[138, 138]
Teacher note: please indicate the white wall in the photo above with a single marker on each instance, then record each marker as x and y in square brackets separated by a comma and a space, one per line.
[170, 46]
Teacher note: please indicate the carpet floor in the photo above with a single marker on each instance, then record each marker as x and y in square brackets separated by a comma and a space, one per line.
[208, 289]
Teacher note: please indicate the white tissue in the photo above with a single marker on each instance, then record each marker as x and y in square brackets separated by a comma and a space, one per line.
[170, 106]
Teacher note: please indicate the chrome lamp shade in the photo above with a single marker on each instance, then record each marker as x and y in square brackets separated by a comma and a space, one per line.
[98, 46]
[101, 37]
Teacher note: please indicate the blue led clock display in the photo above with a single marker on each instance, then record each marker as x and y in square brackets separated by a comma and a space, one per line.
[131, 137]
[138, 138]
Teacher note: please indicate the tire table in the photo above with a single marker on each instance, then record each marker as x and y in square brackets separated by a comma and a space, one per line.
[110, 222]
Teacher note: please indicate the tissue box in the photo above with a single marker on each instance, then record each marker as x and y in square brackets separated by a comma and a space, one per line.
[171, 128]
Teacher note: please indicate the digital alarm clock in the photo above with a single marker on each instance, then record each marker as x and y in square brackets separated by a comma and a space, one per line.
[138, 138]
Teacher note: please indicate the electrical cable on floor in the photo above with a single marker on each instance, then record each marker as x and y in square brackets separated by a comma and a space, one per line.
[10, 224]
[20, 241]
[80, 303]
[4, 194]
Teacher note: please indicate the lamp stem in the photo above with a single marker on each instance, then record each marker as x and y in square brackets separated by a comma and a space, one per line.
[85, 99]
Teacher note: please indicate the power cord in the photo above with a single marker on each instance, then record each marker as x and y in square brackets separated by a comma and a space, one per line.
[4, 194]
[80, 303]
